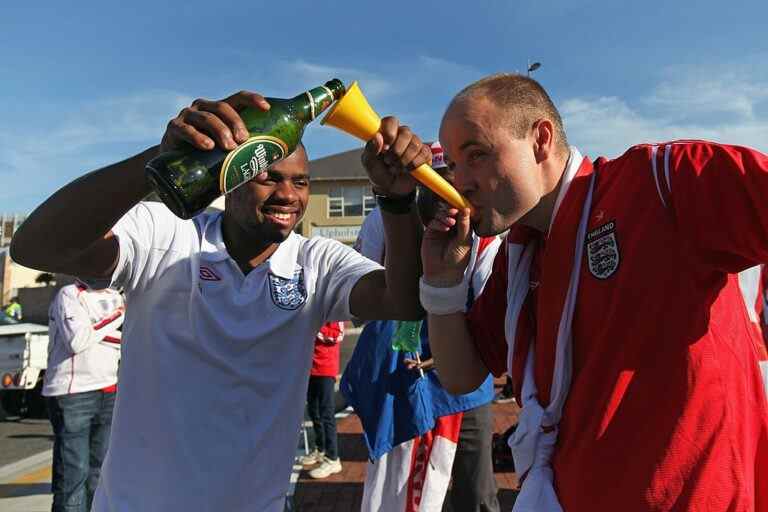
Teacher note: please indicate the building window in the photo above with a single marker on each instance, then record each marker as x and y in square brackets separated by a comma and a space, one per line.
[335, 206]
[350, 201]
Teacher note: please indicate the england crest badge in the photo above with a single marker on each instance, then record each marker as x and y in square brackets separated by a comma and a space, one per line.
[290, 293]
[603, 251]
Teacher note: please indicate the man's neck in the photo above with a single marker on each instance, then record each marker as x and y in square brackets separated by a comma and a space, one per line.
[540, 217]
[247, 251]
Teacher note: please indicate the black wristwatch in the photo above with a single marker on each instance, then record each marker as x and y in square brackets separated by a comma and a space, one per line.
[397, 205]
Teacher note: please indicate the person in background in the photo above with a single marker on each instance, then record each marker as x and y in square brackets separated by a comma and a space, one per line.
[80, 384]
[370, 238]
[320, 402]
[387, 386]
[14, 309]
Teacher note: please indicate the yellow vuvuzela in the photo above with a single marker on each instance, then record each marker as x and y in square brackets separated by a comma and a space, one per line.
[352, 114]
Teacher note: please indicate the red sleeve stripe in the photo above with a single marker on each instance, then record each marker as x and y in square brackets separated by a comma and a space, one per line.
[655, 172]
[667, 154]
[108, 320]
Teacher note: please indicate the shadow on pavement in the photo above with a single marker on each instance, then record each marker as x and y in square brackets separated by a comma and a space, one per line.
[32, 436]
[20, 490]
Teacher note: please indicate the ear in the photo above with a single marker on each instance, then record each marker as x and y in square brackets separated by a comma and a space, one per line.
[543, 139]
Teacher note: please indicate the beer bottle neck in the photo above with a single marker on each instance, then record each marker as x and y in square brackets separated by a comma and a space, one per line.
[310, 104]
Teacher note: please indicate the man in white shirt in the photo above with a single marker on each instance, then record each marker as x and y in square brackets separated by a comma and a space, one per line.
[370, 239]
[80, 384]
[223, 308]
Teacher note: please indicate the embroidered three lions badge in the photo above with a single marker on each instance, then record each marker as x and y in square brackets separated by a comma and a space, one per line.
[289, 293]
[603, 251]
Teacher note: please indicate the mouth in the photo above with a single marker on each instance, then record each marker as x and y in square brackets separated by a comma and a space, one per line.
[281, 218]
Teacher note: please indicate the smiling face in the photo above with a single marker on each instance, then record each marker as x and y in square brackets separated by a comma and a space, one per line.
[268, 208]
[497, 172]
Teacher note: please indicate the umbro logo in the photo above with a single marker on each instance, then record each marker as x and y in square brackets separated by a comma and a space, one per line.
[207, 274]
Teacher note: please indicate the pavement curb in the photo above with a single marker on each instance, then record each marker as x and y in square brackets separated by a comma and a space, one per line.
[18, 468]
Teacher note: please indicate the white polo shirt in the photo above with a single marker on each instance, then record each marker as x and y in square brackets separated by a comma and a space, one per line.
[215, 364]
[83, 347]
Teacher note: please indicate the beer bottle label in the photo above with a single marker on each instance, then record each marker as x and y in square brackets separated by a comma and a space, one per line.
[249, 159]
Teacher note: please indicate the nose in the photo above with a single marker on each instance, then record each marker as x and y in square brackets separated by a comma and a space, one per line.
[463, 182]
[285, 192]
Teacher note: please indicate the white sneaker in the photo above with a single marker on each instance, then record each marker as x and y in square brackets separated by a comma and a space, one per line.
[327, 468]
[311, 458]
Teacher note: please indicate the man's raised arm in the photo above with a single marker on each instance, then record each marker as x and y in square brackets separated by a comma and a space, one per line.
[394, 292]
[445, 252]
[70, 231]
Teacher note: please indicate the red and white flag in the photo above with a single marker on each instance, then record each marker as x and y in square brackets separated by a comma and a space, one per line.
[414, 476]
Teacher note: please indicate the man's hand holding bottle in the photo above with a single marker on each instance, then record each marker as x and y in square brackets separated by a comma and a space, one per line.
[207, 123]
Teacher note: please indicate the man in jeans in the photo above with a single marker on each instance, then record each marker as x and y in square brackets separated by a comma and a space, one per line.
[325, 368]
[80, 384]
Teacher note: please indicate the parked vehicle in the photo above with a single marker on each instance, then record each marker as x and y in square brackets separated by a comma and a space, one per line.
[23, 360]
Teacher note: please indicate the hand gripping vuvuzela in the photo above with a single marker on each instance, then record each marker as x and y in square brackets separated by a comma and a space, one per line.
[352, 114]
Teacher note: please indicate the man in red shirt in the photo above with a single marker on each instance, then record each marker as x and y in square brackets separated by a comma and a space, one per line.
[320, 403]
[617, 304]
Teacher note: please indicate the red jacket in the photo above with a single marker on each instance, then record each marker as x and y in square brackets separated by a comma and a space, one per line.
[666, 409]
[325, 361]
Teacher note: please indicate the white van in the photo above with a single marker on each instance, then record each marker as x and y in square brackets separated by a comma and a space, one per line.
[23, 360]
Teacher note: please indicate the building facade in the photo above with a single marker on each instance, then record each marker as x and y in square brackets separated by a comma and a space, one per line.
[340, 197]
[9, 223]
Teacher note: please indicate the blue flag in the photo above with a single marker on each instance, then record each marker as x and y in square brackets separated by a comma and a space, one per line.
[393, 403]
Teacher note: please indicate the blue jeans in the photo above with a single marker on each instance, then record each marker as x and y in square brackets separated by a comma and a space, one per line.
[320, 406]
[81, 424]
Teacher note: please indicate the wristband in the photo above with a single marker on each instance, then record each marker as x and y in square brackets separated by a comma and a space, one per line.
[443, 301]
[396, 205]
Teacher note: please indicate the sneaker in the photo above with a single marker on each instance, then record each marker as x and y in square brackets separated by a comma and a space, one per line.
[503, 398]
[327, 468]
[312, 458]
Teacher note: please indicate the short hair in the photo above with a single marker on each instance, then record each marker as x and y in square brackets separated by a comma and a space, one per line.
[302, 147]
[522, 97]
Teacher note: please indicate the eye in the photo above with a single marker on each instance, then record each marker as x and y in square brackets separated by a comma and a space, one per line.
[475, 155]
[301, 183]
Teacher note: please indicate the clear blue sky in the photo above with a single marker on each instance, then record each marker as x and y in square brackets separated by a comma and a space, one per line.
[87, 84]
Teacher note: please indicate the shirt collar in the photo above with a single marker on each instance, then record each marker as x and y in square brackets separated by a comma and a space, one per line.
[282, 263]
[571, 168]
[212, 246]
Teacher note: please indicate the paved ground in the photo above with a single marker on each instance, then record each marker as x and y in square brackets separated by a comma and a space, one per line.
[25, 485]
[21, 438]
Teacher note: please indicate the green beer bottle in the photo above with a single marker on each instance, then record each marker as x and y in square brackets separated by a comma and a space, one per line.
[189, 180]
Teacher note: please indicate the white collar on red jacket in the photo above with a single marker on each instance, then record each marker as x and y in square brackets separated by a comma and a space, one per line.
[532, 447]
